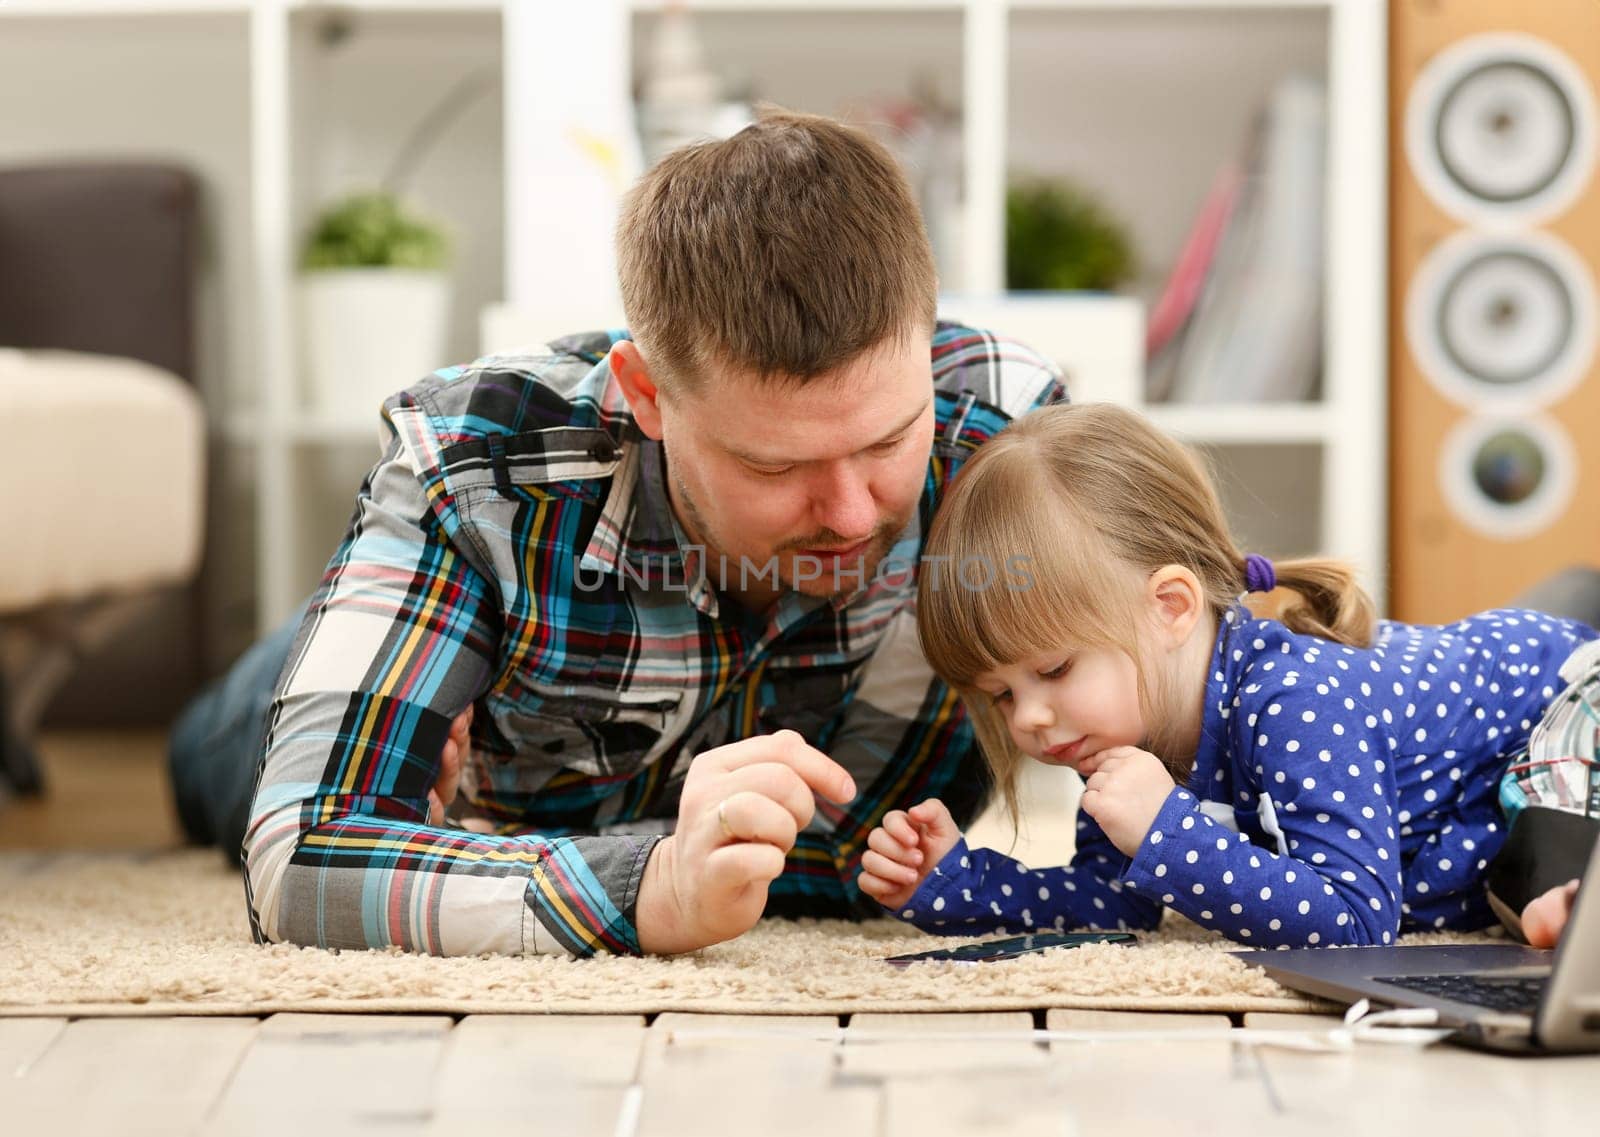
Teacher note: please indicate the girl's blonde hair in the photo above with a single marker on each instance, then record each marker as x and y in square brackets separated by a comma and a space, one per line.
[1044, 542]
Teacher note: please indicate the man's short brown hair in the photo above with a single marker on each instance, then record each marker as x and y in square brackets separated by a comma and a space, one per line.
[787, 251]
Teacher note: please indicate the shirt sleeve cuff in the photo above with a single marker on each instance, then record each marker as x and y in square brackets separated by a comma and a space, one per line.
[938, 887]
[584, 895]
[1166, 834]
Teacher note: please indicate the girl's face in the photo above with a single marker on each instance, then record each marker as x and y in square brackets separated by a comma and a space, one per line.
[1066, 705]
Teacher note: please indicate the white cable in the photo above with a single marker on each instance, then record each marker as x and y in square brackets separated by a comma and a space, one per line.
[1397, 1026]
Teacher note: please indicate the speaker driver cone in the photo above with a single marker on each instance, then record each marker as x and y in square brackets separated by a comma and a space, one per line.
[1500, 129]
[1502, 319]
[1509, 477]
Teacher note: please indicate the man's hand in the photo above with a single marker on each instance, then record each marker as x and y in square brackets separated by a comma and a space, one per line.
[451, 760]
[905, 849]
[742, 807]
[1124, 789]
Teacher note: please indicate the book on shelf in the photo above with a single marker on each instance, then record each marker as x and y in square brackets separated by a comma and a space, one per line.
[1249, 330]
[1173, 309]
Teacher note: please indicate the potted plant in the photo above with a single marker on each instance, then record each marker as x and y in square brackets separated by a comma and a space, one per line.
[375, 301]
[1060, 239]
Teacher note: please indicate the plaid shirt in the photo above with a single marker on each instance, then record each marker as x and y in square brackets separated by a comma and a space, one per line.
[514, 548]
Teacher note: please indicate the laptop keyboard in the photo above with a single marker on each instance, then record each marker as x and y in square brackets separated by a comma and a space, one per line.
[1516, 995]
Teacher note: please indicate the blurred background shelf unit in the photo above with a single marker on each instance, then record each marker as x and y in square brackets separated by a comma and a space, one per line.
[1297, 476]
[279, 107]
[346, 95]
[1139, 105]
[283, 105]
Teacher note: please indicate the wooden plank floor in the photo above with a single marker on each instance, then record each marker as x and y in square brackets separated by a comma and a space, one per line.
[708, 1075]
[681, 1075]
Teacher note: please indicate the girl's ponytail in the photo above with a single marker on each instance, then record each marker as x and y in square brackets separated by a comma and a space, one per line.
[1328, 601]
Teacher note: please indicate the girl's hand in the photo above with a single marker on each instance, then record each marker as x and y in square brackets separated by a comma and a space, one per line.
[1124, 789]
[1546, 915]
[905, 849]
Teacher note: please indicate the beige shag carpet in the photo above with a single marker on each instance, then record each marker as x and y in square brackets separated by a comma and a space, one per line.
[166, 934]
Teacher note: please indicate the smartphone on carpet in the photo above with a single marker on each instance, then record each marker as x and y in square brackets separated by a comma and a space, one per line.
[1012, 946]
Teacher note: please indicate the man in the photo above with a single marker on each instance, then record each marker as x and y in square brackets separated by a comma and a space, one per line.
[669, 577]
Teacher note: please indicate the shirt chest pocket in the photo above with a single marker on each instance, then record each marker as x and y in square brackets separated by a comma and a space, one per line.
[809, 701]
[600, 737]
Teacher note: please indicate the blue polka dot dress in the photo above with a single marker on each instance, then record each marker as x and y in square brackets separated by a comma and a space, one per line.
[1339, 795]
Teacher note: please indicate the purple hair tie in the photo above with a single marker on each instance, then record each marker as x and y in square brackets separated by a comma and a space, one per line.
[1259, 575]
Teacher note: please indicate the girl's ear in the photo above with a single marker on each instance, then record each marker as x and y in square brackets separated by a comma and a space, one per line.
[638, 388]
[1176, 603]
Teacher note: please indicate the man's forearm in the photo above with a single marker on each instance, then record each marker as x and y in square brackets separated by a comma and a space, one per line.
[510, 895]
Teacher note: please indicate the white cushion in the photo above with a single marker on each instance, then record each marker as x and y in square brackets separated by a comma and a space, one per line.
[104, 462]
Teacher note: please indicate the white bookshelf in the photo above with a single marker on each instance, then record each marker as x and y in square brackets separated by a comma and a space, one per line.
[302, 127]
[1217, 59]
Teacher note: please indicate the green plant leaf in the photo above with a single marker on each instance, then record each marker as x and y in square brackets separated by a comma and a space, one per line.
[1058, 238]
[374, 230]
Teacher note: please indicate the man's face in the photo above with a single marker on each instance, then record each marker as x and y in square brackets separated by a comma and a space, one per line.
[818, 479]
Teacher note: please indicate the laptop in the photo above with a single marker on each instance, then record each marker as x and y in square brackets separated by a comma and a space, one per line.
[1505, 997]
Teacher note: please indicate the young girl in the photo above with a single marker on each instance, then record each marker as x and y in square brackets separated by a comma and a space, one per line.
[1319, 778]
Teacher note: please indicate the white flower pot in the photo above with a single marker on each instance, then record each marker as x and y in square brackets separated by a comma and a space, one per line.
[369, 332]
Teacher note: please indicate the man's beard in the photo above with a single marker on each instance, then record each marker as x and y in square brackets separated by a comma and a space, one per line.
[845, 577]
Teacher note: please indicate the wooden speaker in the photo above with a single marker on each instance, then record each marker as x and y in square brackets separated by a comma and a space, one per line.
[1495, 247]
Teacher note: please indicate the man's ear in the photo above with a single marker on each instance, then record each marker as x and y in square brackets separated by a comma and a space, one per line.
[1177, 603]
[633, 376]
